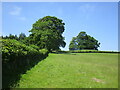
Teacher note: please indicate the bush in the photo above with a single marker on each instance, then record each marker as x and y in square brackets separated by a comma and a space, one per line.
[43, 51]
[17, 58]
[11, 49]
[34, 46]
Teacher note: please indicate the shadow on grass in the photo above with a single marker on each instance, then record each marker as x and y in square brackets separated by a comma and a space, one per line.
[11, 75]
[64, 52]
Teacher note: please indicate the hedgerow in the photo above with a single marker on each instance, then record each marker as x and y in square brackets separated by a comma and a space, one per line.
[91, 51]
[12, 49]
[85, 51]
[18, 57]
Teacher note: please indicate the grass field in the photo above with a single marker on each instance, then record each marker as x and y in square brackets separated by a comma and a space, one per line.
[75, 70]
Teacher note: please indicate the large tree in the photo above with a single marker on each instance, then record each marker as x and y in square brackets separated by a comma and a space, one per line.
[47, 33]
[84, 41]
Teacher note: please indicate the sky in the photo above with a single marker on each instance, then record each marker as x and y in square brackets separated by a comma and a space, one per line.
[97, 19]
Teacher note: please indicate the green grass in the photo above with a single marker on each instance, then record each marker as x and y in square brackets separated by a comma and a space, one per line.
[78, 70]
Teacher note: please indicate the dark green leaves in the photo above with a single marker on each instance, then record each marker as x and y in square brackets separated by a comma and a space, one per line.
[13, 49]
[84, 41]
[47, 33]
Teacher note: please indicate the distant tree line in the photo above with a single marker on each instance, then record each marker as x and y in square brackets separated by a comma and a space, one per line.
[21, 36]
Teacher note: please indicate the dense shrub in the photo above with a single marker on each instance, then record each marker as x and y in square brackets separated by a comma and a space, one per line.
[12, 49]
[17, 58]
[43, 51]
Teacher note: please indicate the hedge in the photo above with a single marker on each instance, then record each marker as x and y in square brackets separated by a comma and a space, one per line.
[84, 51]
[17, 58]
[91, 51]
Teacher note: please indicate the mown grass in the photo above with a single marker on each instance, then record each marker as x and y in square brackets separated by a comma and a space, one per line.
[74, 70]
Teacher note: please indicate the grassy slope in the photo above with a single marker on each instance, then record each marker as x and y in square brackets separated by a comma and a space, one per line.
[81, 70]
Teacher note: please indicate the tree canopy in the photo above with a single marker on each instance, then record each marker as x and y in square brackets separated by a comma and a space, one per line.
[22, 36]
[83, 41]
[47, 33]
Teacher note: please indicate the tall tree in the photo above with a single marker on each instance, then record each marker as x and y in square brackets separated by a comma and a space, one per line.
[84, 41]
[47, 33]
[11, 36]
[22, 36]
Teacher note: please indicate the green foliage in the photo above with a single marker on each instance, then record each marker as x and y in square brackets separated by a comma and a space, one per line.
[92, 51]
[47, 33]
[12, 49]
[73, 44]
[34, 46]
[10, 37]
[43, 51]
[17, 58]
[84, 41]
[22, 36]
[83, 51]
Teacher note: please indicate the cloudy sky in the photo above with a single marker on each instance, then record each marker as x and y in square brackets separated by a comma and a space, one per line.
[98, 19]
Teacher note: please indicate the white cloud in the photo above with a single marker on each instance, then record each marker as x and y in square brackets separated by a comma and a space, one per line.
[15, 11]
